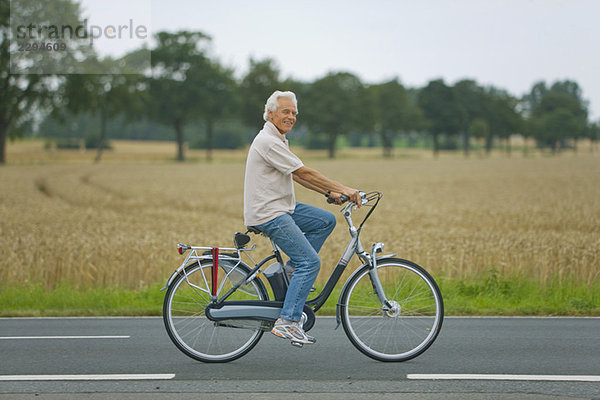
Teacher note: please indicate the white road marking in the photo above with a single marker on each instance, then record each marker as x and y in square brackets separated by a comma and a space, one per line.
[104, 377]
[62, 337]
[507, 377]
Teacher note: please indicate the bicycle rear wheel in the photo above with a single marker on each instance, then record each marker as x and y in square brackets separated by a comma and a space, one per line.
[189, 328]
[396, 334]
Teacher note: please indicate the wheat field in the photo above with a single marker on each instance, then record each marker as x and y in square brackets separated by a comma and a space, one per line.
[64, 219]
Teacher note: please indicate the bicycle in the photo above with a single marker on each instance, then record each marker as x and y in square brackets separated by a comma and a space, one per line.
[217, 308]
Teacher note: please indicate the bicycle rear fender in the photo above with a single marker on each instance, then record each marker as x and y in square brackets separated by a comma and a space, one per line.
[337, 310]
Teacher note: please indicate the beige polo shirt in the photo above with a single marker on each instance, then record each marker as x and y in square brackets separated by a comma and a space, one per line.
[268, 185]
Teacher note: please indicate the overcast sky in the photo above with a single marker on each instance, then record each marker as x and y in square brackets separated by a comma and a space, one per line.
[510, 44]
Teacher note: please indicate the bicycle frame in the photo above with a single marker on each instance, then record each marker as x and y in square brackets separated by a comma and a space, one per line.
[354, 247]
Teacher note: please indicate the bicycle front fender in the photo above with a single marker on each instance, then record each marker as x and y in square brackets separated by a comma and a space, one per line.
[358, 270]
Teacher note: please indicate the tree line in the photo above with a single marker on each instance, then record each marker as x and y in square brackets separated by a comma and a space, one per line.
[188, 92]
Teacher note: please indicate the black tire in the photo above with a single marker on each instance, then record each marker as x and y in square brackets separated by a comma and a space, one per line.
[186, 322]
[399, 334]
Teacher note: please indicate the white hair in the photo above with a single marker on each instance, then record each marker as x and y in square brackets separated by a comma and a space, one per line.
[271, 104]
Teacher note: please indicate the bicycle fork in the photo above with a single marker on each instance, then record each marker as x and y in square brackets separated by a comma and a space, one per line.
[370, 259]
[377, 287]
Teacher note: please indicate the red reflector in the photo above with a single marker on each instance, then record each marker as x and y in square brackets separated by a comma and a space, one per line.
[182, 248]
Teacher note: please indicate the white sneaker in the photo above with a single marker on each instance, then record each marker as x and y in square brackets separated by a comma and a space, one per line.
[291, 330]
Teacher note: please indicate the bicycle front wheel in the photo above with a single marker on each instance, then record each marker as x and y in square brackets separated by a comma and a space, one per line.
[403, 331]
[189, 328]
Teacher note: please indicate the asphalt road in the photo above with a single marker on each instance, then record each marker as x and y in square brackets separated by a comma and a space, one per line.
[79, 348]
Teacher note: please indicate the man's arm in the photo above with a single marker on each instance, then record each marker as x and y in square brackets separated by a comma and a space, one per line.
[307, 184]
[314, 180]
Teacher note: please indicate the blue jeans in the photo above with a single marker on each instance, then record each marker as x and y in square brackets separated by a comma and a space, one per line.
[300, 235]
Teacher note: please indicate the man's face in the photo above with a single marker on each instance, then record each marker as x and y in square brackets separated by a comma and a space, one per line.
[284, 117]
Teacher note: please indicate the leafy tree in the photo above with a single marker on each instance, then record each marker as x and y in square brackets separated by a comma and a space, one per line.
[479, 128]
[502, 116]
[216, 97]
[570, 88]
[394, 112]
[442, 111]
[472, 100]
[335, 105]
[21, 95]
[532, 100]
[556, 114]
[188, 86]
[173, 100]
[553, 126]
[107, 95]
[556, 101]
[256, 86]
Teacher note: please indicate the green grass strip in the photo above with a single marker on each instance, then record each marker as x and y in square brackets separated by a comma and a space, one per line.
[488, 295]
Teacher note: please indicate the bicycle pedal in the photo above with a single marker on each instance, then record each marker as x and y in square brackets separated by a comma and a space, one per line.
[297, 344]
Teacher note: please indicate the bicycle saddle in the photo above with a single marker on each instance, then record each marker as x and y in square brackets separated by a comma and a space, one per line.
[240, 240]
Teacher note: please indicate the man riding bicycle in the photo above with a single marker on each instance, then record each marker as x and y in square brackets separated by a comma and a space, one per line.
[270, 206]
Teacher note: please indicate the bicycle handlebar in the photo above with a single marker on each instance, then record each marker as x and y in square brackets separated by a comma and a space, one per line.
[345, 198]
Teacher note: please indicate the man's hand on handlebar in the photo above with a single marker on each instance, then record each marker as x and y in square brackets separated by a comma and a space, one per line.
[336, 198]
[352, 195]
